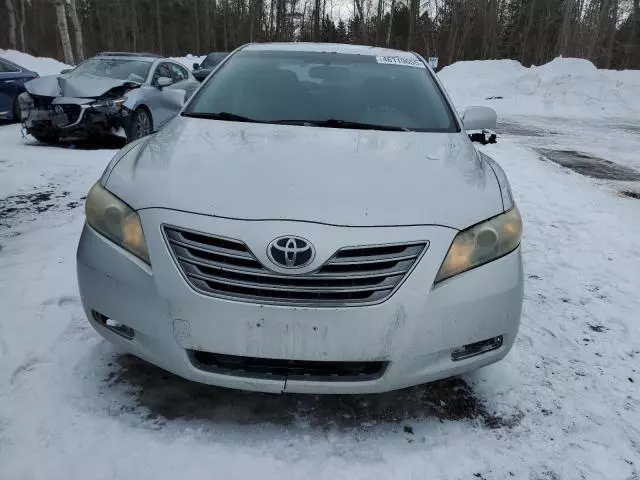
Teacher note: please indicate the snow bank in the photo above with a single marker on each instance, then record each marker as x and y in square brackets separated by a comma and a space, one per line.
[566, 87]
[50, 66]
[189, 60]
[41, 65]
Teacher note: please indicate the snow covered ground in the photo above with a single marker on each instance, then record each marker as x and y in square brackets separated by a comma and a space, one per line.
[565, 404]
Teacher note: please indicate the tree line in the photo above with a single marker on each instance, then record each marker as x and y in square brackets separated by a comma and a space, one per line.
[606, 32]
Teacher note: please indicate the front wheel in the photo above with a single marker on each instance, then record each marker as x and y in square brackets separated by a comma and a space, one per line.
[140, 125]
[17, 112]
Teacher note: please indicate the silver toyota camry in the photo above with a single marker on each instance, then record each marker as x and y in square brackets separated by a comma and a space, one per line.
[315, 220]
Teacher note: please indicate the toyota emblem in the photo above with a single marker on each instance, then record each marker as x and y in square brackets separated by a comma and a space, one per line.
[290, 252]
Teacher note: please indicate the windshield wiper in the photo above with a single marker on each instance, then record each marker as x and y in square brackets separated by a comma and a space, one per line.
[336, 123]
[232, 117]
[329, 123]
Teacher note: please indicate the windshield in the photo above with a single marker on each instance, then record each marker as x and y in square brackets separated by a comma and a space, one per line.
[131, 70]
[306, 87]
[213, 59]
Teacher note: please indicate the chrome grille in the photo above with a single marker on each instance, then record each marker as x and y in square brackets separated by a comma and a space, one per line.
[354, 275]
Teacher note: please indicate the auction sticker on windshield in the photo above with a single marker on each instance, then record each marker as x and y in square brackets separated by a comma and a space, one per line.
[397, 60]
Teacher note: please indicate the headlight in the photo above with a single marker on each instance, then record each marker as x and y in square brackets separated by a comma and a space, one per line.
[117, 103]
[114, 219]
[482, 243]
[26, 105]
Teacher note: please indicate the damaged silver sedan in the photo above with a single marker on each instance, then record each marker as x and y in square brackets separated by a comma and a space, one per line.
[125, 94]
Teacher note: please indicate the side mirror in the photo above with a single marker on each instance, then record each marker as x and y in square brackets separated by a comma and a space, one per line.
[66, 70]
[196, 66]
[480, 118]
[164, 82]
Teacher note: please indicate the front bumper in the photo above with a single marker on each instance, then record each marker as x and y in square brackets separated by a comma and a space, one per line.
[414, 332]
[72, 120]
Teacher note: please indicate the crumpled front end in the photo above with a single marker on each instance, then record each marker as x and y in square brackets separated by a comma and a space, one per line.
[71, 117]
[58, 106]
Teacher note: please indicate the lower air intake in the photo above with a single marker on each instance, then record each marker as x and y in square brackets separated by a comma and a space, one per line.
[289, 369]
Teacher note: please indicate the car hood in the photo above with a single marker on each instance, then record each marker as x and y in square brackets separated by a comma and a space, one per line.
[76, 86]
[332, 176]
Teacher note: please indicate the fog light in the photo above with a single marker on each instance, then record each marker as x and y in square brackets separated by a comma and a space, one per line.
[478, 348]
[119, 328]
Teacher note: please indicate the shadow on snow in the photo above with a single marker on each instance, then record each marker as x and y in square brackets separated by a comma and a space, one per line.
[166, 396]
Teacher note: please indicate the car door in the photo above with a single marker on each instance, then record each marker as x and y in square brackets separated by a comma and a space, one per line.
[11, 84]
[183, 80]
[166, 102]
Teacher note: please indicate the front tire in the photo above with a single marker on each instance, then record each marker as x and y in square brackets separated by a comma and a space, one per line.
[140, 125]
[17, 113]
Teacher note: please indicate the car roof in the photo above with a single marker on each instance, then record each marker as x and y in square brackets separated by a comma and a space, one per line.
[326, 48]
[130, 55]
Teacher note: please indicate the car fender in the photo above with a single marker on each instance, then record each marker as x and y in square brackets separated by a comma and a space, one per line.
[135, 99]
[178, 95]
[135, 148]
[503, 181]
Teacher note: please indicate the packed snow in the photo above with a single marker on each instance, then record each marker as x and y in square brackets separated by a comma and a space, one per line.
[189, 60]
[566, 87]
[49, 66]
[565, 403]
[42, 66]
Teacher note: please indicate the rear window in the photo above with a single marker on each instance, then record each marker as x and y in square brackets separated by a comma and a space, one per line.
[314, 86]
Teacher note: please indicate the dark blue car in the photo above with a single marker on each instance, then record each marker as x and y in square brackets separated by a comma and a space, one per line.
[12, 80]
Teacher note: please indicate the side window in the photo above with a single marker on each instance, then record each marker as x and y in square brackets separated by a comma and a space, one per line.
[162, 70]
[179, 73]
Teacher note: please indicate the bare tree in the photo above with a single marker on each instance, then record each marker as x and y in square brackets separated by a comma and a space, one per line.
[214, 44]
[414, 6]
[362, 26]
[316, 21]
[63, 31]
[533, 31]
[21, 24]
[611, 21]
[134, 25]
[206, 16]
[379, 22]
[390, 28]
[11, 11]
[77, 29]
[566, 30]
[196, 24]
[490, 30]
[159, 25]
[225, 25]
